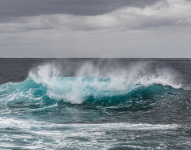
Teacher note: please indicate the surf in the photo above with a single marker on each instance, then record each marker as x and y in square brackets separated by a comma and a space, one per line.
[132, 89]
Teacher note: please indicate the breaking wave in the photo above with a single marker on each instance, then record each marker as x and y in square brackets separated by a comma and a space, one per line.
[133, 89]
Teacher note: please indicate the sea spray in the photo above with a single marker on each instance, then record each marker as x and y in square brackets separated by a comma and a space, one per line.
[90, 81]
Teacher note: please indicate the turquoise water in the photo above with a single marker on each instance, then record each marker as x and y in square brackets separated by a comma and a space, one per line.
[130, 110]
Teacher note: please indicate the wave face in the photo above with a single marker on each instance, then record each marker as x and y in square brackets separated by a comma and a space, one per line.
[100, 109]
[75, 90]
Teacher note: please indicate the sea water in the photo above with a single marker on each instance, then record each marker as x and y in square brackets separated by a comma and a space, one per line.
[95, 104]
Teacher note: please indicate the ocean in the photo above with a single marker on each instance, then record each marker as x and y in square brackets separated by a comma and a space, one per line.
[95, 104]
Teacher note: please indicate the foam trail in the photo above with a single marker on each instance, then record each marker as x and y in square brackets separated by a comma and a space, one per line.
[41, 134]
[29, 124]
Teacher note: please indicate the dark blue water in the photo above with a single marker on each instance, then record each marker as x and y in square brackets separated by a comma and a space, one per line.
[95, 104]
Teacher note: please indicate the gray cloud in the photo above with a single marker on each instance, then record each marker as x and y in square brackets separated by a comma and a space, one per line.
[18, 8]
[95, 28]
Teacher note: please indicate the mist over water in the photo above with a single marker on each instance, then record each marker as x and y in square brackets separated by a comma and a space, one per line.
[98, 104]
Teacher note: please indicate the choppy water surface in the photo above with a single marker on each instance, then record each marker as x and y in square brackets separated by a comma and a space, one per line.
[95, 104]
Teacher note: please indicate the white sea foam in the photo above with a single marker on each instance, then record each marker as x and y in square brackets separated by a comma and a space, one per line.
[71, 134]
[31, 124]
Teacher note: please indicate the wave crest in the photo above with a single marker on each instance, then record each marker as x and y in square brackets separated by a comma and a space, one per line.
[89, 80]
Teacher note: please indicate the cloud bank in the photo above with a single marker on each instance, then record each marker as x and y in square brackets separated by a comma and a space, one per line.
[67, 26]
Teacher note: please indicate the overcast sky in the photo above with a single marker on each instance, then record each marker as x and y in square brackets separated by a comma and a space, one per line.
[95, 28]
